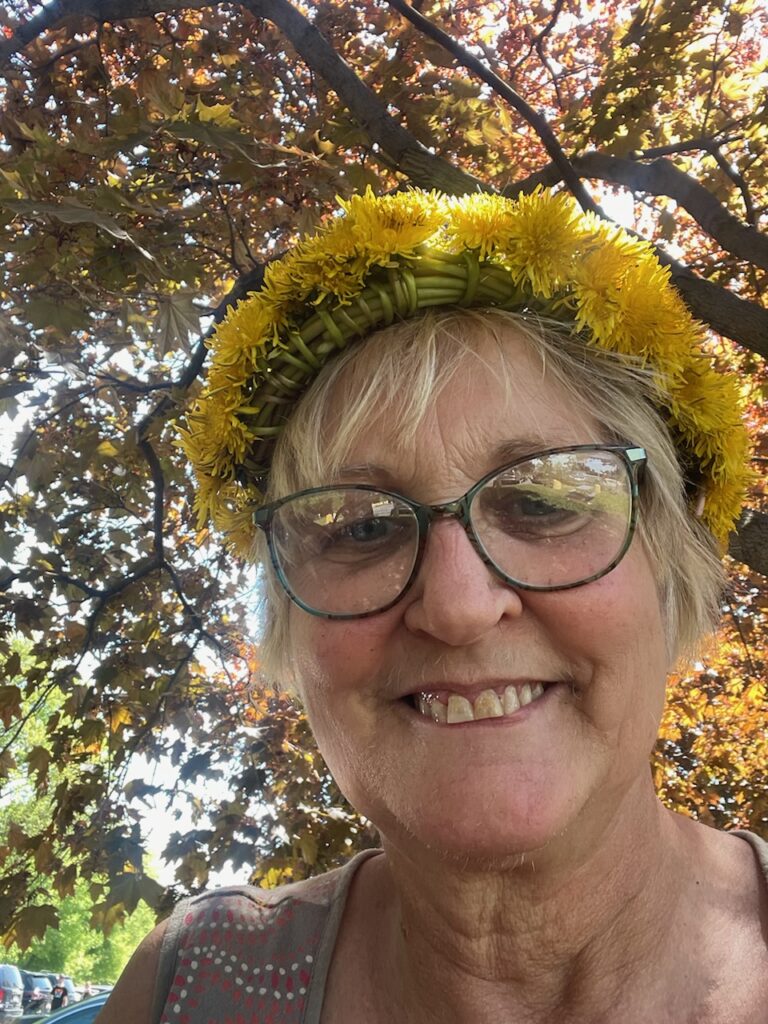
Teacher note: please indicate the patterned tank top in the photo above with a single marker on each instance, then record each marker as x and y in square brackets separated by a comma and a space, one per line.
[242, 955]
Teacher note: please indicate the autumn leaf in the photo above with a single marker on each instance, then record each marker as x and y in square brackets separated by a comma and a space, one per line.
[10, 704]
[72, 212]
[31, 922]
[177, 319]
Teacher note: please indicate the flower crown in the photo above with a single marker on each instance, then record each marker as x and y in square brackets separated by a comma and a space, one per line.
[389, 257]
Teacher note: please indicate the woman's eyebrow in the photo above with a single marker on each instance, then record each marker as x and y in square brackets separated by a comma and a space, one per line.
[365, 472]
[519, 447]
[505, 451]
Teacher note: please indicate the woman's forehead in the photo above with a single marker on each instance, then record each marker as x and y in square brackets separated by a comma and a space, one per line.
[478, 421]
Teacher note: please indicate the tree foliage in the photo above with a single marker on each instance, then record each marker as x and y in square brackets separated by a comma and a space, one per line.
[73, 947]
[155, 155]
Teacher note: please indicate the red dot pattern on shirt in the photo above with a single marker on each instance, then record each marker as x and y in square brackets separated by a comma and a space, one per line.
[233, 967]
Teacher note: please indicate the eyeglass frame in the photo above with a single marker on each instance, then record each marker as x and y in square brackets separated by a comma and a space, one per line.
[634, 457]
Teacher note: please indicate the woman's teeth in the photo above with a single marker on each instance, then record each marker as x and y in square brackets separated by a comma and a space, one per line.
[488, 704]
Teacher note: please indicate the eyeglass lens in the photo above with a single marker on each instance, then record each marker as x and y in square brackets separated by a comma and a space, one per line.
[552, 521]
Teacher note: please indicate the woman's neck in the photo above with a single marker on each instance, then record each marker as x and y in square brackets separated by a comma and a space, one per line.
[578, 929]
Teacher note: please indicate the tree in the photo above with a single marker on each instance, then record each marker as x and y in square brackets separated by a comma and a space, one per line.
[156, 155]
[76, 949]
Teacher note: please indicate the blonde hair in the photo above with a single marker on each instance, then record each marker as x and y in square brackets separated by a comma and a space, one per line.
[403, 368]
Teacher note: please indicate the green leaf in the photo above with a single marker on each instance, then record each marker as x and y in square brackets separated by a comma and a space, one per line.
[43, 312]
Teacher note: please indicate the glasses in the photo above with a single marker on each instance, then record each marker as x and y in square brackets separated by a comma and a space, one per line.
[549, 521]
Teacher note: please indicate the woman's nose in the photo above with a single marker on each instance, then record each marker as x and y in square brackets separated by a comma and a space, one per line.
[457, 598]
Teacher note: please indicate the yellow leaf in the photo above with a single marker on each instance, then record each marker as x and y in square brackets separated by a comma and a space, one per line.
[218, 113]
[119, 716]
[107, 448]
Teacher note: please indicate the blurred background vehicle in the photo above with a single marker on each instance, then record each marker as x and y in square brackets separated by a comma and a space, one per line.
[81, 1013]
[11, 992]
[37, 992]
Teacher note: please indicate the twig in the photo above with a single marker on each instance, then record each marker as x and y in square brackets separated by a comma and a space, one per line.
[730, 172]
[703, 142]
[534, 119]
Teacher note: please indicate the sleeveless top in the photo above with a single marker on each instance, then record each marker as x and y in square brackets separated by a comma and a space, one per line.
[243, 955]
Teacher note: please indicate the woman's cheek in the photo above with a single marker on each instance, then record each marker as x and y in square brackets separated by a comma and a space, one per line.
[339, 654]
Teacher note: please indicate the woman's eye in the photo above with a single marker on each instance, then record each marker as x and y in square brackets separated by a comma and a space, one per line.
[537, 507]
[524, 506]
[365, 530]
[524, 512]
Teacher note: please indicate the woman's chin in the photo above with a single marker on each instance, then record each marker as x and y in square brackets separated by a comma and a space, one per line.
[480, 830]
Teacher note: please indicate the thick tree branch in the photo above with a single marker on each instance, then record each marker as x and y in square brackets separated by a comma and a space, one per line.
[662, 178]
[738, 319]
[406, 153]
[537, 122]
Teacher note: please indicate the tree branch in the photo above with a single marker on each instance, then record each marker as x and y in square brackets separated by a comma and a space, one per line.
[405, 152]
[739, 319]
[158, 505]
[662, 178]
[536, 120]
[687, 146]
[100, 10]
[738, 180]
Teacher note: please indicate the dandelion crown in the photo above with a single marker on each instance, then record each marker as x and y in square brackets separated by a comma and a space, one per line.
[389, 257]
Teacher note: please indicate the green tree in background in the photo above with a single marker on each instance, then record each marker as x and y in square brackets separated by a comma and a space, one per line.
[155, 154]
[76, 949]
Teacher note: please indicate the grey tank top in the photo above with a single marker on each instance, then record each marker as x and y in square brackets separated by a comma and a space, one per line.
[242, 955]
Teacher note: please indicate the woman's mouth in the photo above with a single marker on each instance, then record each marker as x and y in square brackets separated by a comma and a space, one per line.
[448, 708]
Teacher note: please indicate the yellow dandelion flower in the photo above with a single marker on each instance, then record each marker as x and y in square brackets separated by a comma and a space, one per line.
[597, 280]
[480, 221]
[544, 237]
[396, 224]
[247, 326]
[706, 401]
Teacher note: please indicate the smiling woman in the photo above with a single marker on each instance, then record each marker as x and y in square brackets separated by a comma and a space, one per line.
[491, 530]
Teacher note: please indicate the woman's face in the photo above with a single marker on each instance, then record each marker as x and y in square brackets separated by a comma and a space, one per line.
[500, 785]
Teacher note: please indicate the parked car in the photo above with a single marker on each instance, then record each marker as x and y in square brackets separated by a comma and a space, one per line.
[11, 992]
[37, 992]
[80, 1013]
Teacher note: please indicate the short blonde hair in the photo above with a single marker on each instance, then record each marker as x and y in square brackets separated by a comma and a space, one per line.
[402, 369]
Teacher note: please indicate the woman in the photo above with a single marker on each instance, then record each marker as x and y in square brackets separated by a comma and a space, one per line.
[481, 450]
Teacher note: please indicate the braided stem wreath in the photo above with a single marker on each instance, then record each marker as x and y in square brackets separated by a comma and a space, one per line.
[387, 258]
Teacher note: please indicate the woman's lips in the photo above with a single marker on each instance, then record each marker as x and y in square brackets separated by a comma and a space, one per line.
[447, 708]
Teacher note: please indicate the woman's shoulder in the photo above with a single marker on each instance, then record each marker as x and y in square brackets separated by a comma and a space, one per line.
[239, 946]
[758, 844]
